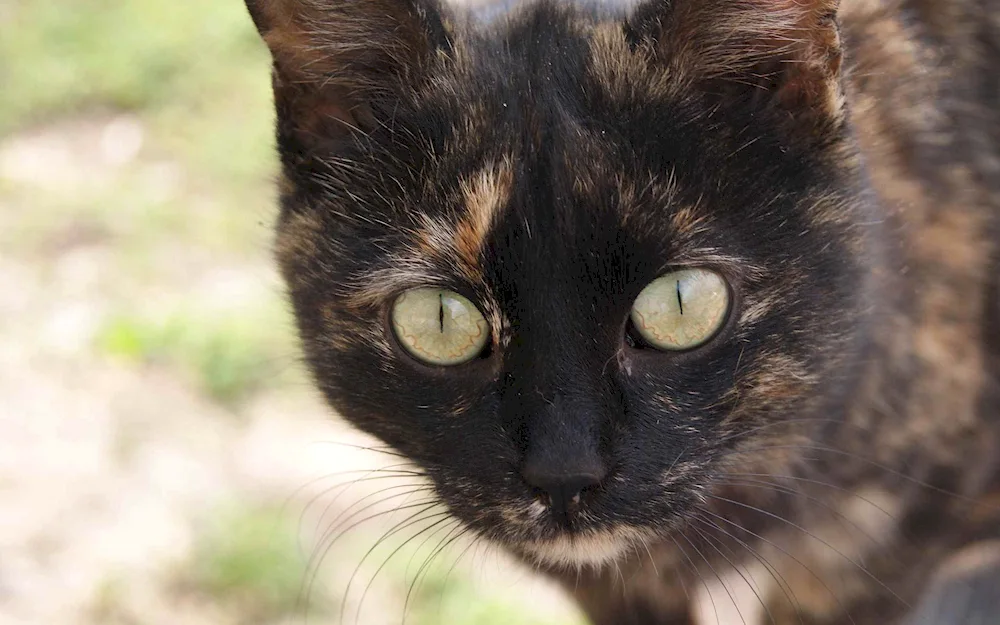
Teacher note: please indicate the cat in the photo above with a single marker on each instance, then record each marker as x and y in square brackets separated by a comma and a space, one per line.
[652, 289]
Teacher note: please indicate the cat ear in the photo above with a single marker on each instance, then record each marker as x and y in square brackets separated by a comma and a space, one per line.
[787, 52]
[339, 63]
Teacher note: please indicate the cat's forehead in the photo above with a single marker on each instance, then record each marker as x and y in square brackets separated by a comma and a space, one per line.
[562, 162]
[556, 139]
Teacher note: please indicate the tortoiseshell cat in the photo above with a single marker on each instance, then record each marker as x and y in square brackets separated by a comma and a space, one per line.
[650, 288]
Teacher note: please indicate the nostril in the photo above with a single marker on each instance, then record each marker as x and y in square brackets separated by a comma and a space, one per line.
[543, 498]
[576, 483]
[561, 491]
[560, 480]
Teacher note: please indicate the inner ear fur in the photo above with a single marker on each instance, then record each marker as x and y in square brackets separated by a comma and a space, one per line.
[338, 62]
[787, 51]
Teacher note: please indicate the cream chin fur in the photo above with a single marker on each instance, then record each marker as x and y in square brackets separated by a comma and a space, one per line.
[593, 550]
[580, 551]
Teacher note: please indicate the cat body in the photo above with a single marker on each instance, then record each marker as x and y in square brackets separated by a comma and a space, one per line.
[835, 164]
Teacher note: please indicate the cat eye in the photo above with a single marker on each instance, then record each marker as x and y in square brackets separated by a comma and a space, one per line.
[439, 327]
[681, 310]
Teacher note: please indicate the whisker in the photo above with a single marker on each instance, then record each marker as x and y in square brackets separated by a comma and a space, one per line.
[295, 493]
[379, 449]
[389, 469]
[445, 517]
[701, 578]
[409, 563]
[371, 478]
[454, 565]
[783, 422]
[786, 553]
[891, 471]
[718, 577]
[841, 518]
[900, 532]
[645, 545]
[345, 526]
[447, 541]
[687, 595]
[779, 579]
[721, 544]
[708, 540]
[408, 489]
[794, 421]
[817, 538]
[346, 486]
[621, 576]
[315, 562]
[848, 491]
[676, 460]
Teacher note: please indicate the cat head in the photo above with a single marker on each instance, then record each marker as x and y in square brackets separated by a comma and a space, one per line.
[576, 265]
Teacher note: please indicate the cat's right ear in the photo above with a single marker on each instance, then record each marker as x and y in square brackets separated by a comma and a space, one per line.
[340, 65]
[775, 53]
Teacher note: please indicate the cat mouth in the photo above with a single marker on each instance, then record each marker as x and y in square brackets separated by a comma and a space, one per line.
[553, 539]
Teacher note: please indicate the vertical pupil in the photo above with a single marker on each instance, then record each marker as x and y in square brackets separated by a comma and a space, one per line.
[441, 311]
[680, 302]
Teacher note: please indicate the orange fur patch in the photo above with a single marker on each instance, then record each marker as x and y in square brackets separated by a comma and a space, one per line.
[485, 195]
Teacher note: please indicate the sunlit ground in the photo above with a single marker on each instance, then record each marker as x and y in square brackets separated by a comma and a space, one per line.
[159, 444]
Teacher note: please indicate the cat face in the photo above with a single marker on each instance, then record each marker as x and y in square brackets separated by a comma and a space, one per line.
[490, 235]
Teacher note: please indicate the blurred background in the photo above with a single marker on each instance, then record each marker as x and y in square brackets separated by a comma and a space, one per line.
[163, 458]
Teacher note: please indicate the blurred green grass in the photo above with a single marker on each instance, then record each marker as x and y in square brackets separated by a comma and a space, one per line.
[195, 70]
[195, 74]
[198, 195]
[135, 55]
[249, 557]
[194, 78]
[229, 354]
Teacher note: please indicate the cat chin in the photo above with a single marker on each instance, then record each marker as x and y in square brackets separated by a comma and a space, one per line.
[592, 550]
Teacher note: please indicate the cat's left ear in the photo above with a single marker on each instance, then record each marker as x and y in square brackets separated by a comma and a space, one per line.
[780, 53]
[339, 64]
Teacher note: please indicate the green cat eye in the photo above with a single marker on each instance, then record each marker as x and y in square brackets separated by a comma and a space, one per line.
[439, 327]
[681, 310]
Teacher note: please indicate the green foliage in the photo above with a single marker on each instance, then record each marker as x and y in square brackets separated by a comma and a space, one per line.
[230, 354]
[194, 75]
[441, 591]
[446, 597]
[127, 55]
[249, 557]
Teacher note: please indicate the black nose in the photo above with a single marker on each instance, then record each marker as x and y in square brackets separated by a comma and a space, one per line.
[561, 490]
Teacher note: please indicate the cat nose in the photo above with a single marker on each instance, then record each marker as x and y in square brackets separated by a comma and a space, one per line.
[561, 490]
